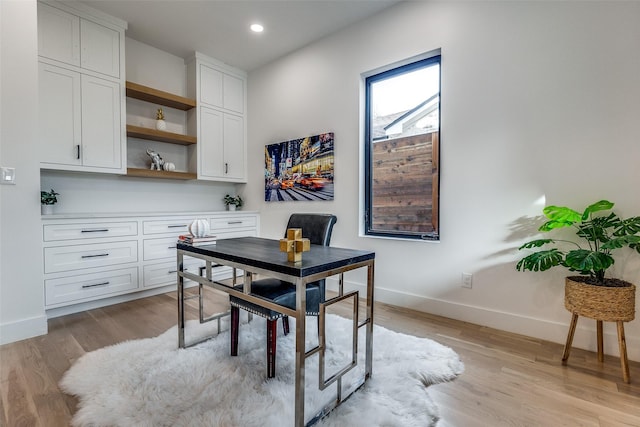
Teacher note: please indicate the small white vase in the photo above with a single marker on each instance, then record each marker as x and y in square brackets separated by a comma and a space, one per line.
[199, 228]
[161, 125]
[231, 207]
[46, 209]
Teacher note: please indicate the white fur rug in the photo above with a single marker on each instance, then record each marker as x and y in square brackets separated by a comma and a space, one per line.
[150, 382]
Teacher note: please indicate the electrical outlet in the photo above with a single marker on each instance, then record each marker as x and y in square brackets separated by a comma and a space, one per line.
[467, 279]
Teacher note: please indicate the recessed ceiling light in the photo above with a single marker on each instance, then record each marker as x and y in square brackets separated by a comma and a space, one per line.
[257, 28]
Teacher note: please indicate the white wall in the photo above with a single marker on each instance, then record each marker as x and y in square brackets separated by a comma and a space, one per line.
[80, 193]
[21, 292]
[540, 105]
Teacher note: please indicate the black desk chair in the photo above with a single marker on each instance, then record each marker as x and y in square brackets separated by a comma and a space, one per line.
[315, 227]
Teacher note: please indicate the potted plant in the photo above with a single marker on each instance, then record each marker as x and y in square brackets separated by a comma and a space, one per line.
[47, 200]
[233, 202]
[591, 293]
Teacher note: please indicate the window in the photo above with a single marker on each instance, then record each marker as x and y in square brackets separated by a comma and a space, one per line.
[402, 139]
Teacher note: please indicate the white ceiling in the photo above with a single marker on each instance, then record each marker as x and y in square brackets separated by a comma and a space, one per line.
[220, 28]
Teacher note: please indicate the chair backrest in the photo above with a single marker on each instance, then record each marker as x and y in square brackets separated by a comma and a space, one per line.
[315, 227]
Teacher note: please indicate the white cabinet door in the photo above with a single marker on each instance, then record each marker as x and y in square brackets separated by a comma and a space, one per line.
[221, 146]
[210, 143]
[59, 115]
[101, 142]
[221, 90]
[210, 86]
[233, 93]
[90, 286]
[100, 48]
[234, 155]
[58, 35]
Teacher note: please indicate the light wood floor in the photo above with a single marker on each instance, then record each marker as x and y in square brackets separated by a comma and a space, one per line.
[510, 380]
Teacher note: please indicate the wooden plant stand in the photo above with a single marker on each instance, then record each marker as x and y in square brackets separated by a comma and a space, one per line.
[602, 304]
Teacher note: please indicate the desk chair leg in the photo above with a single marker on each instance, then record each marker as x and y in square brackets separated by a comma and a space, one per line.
[623, 352]
[235, 326]
[285, 324]
[567, 346]
[272, 331]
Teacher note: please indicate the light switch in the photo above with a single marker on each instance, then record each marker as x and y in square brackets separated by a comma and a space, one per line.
[8, 176]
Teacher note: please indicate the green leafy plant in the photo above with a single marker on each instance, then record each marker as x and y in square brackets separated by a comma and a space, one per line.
[231, 200]
[48, 197]
[600, 236]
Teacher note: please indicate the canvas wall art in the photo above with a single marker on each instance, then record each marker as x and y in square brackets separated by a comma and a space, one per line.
[299, 170]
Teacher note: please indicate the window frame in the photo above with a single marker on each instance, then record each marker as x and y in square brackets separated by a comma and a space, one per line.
[368, 79]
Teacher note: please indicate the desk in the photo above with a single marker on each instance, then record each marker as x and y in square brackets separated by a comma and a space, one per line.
[262, 256]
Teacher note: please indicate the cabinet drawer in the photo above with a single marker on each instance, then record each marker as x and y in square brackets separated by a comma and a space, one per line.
[176, 226]
[160, 248]
[85, 287]
[75, 257]
[89, 231]
[165, 273]
[231, 222]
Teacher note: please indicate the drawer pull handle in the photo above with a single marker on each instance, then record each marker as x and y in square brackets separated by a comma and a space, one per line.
[95, 230]
[177, 226]
[171, 247]
[234, 222]
[175, 271]
[94, 285]
[94, 256]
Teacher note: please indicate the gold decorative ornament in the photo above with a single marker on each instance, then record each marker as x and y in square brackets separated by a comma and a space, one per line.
[294, 245]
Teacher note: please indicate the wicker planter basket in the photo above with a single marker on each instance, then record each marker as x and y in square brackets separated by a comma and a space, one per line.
[610, 304]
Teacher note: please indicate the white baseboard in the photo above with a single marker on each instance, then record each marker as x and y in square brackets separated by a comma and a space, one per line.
[23, 329]
[584, 338]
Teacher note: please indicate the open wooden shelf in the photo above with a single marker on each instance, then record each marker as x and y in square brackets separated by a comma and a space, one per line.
[148, 173]
[156, 96]
[158, 135]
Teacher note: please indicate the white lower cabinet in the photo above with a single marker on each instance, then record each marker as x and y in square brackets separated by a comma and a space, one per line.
[165, 273]
[76, 257]
[74, 289]
[164, 247]
[88, 258]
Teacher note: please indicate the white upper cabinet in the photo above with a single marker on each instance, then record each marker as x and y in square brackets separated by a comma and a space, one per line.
[81, 89]
[220, 118]
[73, 40]
[79, 121]
[101, 127]
[59, 115]
[221, 90]
[58, 35]
[100, 48]
[233, 93]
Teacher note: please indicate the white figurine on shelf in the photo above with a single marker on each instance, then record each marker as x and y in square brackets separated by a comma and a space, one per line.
[156, 161]
[168, 166]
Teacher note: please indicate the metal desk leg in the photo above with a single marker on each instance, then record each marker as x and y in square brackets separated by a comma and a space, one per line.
[301, 307]
[180, 300]
[369, 350]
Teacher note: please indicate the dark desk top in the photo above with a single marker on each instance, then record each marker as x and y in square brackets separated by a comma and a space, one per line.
[265, 253]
